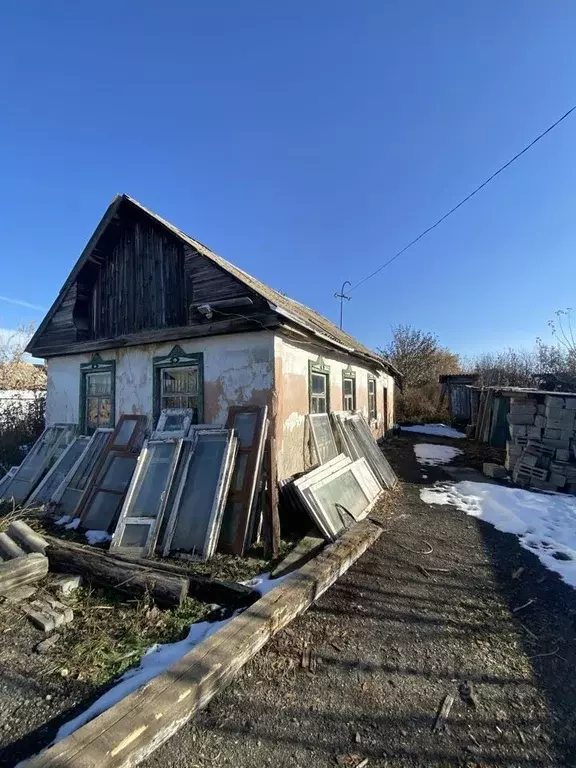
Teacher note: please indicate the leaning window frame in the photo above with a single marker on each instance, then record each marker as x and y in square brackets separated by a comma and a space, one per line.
[319, 367]
[220, 496]
[154, 522]
[177, 358]
[96, 365]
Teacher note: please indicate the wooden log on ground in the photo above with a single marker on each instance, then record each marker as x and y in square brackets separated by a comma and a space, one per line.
[24, 570]
[9, 550]
[221, 591]
[25, 537]
[128, 732]
[131, 579]
[204, 588]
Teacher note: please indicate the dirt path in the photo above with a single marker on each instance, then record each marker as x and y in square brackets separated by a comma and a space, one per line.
[391, 640]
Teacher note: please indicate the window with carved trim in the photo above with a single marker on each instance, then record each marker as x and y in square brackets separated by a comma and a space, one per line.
[97, 393]
[178, 383]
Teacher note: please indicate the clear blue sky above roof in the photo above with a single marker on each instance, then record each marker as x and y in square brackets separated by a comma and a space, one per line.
[306, 143]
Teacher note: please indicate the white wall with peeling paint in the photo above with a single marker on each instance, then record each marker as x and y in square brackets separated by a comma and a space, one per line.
[238, 369]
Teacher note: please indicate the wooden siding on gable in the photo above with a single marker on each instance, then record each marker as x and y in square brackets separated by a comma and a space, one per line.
[208, 281]
[140, 281]
[141, 285]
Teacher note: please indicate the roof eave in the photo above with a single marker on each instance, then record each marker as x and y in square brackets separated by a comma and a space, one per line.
[376, 359]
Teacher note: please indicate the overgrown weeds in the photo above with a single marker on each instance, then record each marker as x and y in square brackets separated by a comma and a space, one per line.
[110, 634]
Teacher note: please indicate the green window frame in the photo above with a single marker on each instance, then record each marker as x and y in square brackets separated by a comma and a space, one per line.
[179, 382]
[348, 389]
[97, 395]
[372, 401]
[318, 386]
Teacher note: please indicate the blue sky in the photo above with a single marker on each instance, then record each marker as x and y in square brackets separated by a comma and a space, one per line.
[306, 142]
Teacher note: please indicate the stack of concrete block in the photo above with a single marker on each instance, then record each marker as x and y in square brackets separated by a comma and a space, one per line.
[541, 449]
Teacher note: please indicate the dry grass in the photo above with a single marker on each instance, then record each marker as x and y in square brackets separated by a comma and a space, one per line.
[109, 634]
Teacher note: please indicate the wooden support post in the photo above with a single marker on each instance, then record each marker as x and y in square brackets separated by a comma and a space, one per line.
[23, 570]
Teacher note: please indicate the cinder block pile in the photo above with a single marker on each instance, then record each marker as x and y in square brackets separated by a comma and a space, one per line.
[541, 450]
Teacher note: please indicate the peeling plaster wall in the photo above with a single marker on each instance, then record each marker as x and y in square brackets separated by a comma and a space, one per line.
[291, 376]
[238, 370]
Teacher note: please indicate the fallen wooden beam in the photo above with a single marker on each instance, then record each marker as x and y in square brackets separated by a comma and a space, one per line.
[131, 579]
[133, 728]
[23, 570]
[204, 588]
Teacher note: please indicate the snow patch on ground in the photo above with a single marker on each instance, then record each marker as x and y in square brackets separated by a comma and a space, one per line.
[545, 523]
[434, 455]
[73, 525]
[440, 430]
[158, 659]
[97, 537]
[63, 520]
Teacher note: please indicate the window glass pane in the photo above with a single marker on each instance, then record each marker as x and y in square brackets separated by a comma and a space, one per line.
[92, 413]
[177, 381]
[102, 510]
[86, 466]
[348, 386]
[239, 472]
[233, 515]
[198, 493]
[323, 438]
[118, 472]
[152, 481]
[245, 424]
[125, 433]
[135, 535]
[318, 384]
[105, 412]
[99, 384]
[341, 495]
[174, 422]
[318, 404]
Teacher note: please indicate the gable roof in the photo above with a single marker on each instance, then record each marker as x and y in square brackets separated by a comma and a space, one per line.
[289, 308]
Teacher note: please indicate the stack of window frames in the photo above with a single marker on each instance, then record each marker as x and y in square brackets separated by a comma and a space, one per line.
[322, 437]
[45, 451]
[239, 524]
[67, 495]
[198, 507]
[58, 472]
[338, 493]
[358, 436]
[139, 524]
[104, 495]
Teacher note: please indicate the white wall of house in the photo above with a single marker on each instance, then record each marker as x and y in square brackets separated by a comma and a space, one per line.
[293, 396]
[238, 369]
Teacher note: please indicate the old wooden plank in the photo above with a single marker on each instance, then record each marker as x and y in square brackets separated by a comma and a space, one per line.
[132, 729]
[253, 321]
[23, 570]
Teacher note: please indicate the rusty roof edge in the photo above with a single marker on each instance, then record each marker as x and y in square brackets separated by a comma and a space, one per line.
[378, 359]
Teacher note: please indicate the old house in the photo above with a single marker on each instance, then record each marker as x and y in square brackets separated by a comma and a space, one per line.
[150, 318]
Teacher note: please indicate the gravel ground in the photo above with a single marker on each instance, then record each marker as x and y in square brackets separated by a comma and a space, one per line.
[391, 639]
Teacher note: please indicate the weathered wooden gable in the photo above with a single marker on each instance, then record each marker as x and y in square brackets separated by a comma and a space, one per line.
[139, 278]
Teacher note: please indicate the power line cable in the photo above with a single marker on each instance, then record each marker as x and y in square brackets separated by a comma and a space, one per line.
[465, 200]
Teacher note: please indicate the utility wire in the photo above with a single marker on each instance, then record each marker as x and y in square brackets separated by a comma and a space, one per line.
[465, 200]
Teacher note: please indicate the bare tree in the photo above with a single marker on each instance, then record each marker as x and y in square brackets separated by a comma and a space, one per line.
[421, 359]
